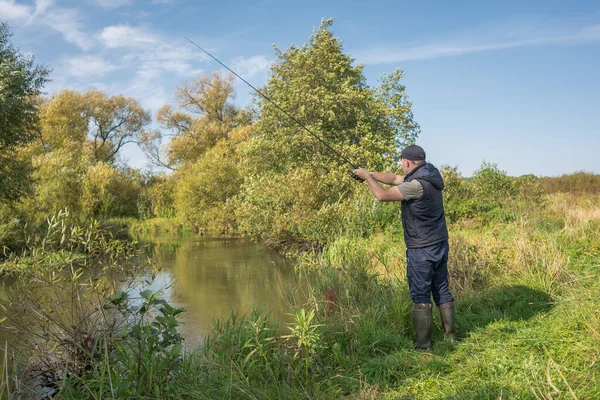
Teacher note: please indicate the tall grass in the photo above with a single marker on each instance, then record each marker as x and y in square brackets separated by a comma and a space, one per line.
[527, 314]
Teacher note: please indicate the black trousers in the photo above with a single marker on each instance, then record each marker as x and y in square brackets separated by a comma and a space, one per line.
[427, 273]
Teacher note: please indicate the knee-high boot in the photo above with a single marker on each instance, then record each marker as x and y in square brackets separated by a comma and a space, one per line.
[422, 322]
[447, 313]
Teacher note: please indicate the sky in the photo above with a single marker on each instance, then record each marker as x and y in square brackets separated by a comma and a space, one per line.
[514, 83]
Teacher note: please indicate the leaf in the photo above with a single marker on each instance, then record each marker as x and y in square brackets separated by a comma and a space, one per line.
[146, 294]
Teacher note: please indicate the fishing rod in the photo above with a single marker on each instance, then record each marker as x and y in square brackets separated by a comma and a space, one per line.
[290, 116]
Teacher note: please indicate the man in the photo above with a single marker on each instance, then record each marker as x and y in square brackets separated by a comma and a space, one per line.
[426, 237]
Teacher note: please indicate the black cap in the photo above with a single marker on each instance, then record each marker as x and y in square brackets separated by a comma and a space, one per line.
[413, 153]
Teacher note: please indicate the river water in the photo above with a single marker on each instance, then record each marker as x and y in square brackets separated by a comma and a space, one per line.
[213, 276]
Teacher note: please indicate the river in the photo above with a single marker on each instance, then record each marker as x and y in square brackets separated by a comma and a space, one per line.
[212, 276]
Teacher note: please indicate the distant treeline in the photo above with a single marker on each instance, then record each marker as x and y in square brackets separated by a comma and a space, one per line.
[578, 182]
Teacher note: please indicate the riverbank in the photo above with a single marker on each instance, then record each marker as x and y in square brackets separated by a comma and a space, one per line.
[527, 313]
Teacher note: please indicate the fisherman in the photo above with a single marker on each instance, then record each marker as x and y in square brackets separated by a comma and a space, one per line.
[425, 235]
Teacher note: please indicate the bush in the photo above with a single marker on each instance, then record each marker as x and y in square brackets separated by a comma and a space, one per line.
[156, 198]
[203, 190]
[11, 233]
[110, 192]
[579, 182]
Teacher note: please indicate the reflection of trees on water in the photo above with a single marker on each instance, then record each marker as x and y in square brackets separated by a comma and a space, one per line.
[214, 275]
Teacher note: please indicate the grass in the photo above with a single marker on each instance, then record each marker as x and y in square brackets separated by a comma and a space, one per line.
[528, 315]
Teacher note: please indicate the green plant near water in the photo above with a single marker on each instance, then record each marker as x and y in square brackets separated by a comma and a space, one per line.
[306, 339]
[141, 359]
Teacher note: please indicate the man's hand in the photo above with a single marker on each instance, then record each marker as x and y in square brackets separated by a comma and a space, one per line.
[381, 194]
[363, 173]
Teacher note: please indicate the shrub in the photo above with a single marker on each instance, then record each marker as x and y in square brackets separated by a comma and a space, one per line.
[578, 182]
[108, 191]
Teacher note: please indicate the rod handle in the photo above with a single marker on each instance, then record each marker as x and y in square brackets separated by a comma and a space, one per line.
[356, 177]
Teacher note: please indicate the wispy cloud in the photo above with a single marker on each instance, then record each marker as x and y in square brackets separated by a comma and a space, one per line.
[151, 53]
[66, 21]
[250, 66]
[111, 3]
[11, 11]
[88, 66]
[125, 36]
[495, 36]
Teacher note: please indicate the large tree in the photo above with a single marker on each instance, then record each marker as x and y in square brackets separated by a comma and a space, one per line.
[21, 82]
[91, 121]
[205, 116]
[293, 183]
[322, 87]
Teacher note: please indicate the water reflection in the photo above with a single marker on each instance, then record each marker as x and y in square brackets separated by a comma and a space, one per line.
[212, 276]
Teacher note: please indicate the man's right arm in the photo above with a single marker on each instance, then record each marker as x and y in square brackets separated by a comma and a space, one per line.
[388, 178]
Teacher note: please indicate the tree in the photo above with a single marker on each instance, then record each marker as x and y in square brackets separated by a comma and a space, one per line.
[91, 121]
[320, 86]
[205, 117]
[292, 180]
[113, 122]
[21, 82]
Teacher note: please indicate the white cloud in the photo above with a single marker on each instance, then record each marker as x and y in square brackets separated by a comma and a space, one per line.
[65, 21]
[88, 66]
[127, 36]
[68, 23]
[496, 36]
[248, 67]
[41, 6]
[153, 54]
[111, 3]
[12, 11]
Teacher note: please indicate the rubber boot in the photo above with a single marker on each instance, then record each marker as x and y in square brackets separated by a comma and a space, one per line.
[423, 323]
[447, 313]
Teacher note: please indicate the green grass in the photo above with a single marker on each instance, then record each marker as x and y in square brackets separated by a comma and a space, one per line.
[528, 316]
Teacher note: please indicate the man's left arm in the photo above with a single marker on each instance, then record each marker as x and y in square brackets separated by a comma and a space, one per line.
[380, 193]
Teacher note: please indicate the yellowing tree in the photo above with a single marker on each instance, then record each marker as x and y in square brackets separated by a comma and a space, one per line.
[207, 132]
[76, 121]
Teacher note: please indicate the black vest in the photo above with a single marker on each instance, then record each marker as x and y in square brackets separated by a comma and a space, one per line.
[423, 219]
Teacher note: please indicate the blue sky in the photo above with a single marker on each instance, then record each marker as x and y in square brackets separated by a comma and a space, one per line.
[511, 82]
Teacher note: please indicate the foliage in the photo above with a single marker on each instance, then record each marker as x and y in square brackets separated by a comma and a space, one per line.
[293, 183]
[20, 85]
[204, 188]
[578, 182]
[11, 234]
[490, 195]
[59, 179]
[306, 339]
[148, 349]
[53, 307]
[92, 122]
[108, 191]
[156, 198]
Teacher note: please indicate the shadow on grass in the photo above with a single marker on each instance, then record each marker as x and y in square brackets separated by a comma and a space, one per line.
[507, 302]
[473, 313]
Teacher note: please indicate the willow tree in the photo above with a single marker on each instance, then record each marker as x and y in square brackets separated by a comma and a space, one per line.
[21, 82]
[206, 131]
[293, 181]
[79, 131]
